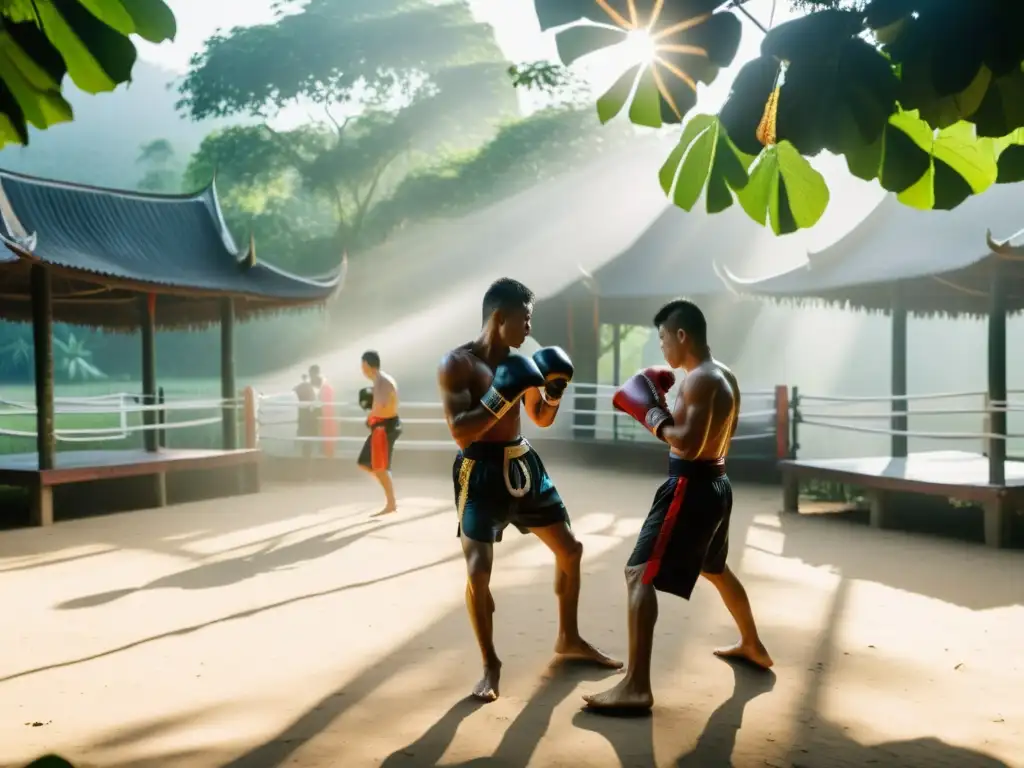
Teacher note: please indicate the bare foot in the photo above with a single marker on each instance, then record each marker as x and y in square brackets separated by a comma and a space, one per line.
[487, 688]
[754, 654]
[626, 697]
[580, 650]
[388, 510]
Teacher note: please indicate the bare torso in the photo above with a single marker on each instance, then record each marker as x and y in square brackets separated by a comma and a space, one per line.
[724, 407]
[475, 377]
[385, 396]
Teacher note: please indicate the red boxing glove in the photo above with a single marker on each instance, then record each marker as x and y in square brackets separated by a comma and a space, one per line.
[662, 378]
[643, 398]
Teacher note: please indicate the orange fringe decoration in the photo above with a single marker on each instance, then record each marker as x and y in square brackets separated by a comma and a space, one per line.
[766, 128]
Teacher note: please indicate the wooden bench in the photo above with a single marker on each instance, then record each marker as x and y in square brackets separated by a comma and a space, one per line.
[950, 474]
[22, 470]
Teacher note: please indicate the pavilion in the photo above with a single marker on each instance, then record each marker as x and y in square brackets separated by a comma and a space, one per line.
[122, 261]
[902, 261]
[673, 257]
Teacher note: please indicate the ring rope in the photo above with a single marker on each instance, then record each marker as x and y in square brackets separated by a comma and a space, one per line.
[884, 398]
[889, 414]
[909, 433]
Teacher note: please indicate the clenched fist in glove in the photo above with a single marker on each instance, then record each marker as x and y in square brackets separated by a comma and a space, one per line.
[556, 368]
[643, 398]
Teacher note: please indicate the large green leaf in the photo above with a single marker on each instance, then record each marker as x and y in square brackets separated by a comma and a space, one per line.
[959, 165]
[691, 42]
[614, 99]
[784, 190]
[1010, 151]
[704, 156]
[41, 41]
[579, 41]
[154, 20]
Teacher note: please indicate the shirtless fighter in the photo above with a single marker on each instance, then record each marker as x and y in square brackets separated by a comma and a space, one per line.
[499, 478]
[385, 427]
[686, 533]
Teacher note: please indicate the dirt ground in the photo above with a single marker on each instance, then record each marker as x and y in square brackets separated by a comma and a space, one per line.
[288, 629]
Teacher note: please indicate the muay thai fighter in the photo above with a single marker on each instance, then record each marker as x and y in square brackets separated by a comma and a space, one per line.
[379, 449]
[686, 533]
[499, 479]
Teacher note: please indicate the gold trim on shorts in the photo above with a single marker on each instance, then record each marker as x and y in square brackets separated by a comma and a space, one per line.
[465, 470]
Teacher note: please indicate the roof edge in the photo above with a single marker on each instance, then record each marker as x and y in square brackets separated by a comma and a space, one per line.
[129, 193]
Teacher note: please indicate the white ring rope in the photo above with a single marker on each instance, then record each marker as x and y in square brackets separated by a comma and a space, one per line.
[890, 414]
[198, 405]
[118, 433]
[883, 398]
[909, 433]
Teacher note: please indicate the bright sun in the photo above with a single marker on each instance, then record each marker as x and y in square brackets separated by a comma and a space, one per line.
[641, 46]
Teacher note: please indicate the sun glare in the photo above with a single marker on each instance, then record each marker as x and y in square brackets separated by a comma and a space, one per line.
[641, 46]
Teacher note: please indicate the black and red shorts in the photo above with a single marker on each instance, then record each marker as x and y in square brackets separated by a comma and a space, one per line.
[687, 530]
[379, 448]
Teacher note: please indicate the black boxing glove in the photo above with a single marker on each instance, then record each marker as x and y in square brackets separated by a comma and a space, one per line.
[556, 368]
[366, 398]
[513, 376]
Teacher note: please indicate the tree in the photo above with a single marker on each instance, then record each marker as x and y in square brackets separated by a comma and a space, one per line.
[523, 152]
[17, 352]
[925, 97]
[86, 40]
[381, 86]
[157, 157]
[74, 359]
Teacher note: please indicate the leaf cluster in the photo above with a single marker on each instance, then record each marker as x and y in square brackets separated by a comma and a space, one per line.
[924, 96]
[42, 41]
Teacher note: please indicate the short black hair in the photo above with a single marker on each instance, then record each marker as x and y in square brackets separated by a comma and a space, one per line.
[314, 369]
[683, 315]
[506, 294]
[371, 358]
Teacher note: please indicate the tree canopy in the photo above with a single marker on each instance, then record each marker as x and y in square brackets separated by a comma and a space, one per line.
[381, 89]
[924, 96]
[88, 41]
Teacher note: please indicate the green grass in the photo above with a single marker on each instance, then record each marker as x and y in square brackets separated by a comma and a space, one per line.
[206, 436]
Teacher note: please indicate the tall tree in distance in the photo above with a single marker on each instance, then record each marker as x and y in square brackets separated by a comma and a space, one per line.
[379, 79]
[157, 157]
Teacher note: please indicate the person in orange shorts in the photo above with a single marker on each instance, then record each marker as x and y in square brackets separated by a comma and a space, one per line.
[385, 427]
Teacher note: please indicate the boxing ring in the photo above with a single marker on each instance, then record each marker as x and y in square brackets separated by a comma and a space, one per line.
[111, 449]
[957, 474]
[951, 463]
[762, 433]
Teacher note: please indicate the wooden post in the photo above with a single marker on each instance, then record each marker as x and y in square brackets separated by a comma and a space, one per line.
[616, 372]
[790, 481]
[782, 422]
[161, 418]
[42, 342]
[41, 509]
[227, 374]
[794, 422]
[148, 326]
[898, 421]
[986, 425]
[585, 349]
[249, 404]
[997, 375]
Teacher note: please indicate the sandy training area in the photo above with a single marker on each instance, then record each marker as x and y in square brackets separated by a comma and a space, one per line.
[289, 629]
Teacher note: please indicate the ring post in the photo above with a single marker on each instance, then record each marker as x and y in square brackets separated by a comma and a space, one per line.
[782, 422]
[790, 482]
[249, 411]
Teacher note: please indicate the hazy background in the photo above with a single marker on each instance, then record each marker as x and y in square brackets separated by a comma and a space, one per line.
[517, 185]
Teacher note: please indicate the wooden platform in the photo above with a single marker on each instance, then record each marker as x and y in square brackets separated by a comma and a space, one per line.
[22, 470]
[952, 474]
